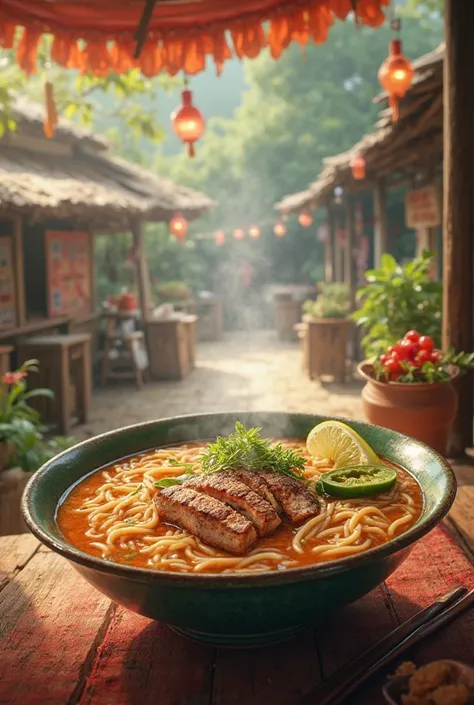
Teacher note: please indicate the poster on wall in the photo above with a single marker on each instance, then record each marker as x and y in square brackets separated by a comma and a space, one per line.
[7, 284]
[422, 208]
[68, 266]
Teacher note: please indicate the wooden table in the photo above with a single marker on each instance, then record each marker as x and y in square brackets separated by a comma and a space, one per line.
[65, 368]
[61, 642]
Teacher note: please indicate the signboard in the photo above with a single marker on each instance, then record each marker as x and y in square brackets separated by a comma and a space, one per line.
[422, 208]
[7, 284]
[68, 267]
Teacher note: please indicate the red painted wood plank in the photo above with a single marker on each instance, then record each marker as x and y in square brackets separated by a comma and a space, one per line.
[279, 674]
[51, 622]
[15, 552]
[144, 662]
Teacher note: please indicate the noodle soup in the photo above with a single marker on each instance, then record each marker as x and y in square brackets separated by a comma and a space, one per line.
[112, 514]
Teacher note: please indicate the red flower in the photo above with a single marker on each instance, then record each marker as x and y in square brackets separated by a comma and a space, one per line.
[11, 378]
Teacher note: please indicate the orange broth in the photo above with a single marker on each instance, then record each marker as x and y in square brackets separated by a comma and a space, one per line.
[74, 524]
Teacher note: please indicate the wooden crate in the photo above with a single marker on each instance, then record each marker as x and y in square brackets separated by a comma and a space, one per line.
[287, 315]
[171, 346]
[326, 348]
[211, 319]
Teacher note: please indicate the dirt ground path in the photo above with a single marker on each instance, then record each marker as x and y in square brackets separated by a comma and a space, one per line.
[244, 372]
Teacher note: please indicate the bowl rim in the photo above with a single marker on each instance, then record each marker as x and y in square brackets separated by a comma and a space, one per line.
[243, 579]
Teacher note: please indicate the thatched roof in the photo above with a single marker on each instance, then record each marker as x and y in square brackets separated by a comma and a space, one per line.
[392, 148]
[72, 177]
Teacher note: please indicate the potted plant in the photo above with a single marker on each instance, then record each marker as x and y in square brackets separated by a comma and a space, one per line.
[397, 298]
[23, 448]
[325, 335]
[176, 293]
[409, 389]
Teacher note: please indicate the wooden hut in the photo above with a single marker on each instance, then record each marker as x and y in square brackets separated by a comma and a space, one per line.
[55, 197]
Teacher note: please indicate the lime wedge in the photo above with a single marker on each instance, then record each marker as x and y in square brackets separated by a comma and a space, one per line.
[340, 443]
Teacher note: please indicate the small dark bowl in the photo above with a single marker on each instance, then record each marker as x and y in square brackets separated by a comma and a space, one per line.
[246, 609]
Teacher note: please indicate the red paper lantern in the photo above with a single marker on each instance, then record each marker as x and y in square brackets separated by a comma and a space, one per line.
[220, 237]
[187, 122]
[305, 219]
[239, 234]
[279, 229]
[357, 165]
[396, 76]
[179, 226]
[254, 232]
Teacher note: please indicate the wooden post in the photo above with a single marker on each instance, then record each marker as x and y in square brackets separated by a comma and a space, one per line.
[380, 229]
[19, 271]
[458, 210]
[351, 274]
[142, 270]
[330, 245]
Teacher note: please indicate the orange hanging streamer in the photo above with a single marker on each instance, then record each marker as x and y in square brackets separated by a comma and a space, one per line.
[181, 35]
[51, 115]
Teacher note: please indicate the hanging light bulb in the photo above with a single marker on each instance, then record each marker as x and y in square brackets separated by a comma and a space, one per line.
[395, 76]
[254, 231]
[220, 238]
[179, 226]
[358, 165]
[279, 228]
[187, 122]
[338, 193]
[239, 234]
[305, 219]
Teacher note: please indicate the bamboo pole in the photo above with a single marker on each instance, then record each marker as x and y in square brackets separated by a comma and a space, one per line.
[142, 270]
[458, 210]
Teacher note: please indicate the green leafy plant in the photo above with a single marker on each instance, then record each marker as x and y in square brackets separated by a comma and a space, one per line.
[397, 298]
[14, 397]
[333, 301]
[172, 291]
[31, 450]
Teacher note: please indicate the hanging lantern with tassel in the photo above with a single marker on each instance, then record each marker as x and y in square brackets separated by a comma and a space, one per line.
[254, 232]
[239, 234]
[51, 115]
[279, 228]
[358, 165]
[179, 227]
[395, 76]
[187, 122]
[305, 219]
[220, 238]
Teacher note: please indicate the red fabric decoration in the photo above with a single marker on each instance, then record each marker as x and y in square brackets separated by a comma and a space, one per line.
[180, 35]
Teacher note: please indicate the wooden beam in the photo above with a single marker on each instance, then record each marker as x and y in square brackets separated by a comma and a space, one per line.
[19, 271]
[329, 248]
[458, 211]
[142, 270]
[380, 229]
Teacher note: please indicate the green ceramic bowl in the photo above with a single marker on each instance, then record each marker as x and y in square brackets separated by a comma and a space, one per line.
[237, 610]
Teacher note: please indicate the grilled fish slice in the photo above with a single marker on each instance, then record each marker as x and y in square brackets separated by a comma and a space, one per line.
[296, 501]
[256, 482]
[205, 517]
[225, 487]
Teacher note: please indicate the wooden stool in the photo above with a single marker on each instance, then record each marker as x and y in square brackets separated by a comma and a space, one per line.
[126, 364]
[65, 368]
[5, 352]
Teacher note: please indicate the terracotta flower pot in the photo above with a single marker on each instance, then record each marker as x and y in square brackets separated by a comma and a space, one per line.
[420, 410]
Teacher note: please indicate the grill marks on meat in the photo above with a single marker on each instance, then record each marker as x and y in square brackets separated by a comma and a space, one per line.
[230, 509]
[212, 521]
[225, 487]
[296, 501]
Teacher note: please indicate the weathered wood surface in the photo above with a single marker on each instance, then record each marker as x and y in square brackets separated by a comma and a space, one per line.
[63, 643]
[327, 341]
[458, 212]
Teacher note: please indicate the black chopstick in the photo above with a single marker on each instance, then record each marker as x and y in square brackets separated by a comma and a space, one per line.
[337, 688]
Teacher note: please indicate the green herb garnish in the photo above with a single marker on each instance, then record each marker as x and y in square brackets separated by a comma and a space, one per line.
[171, 481]
[137, 490]
[176, 464]
[244, 448]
